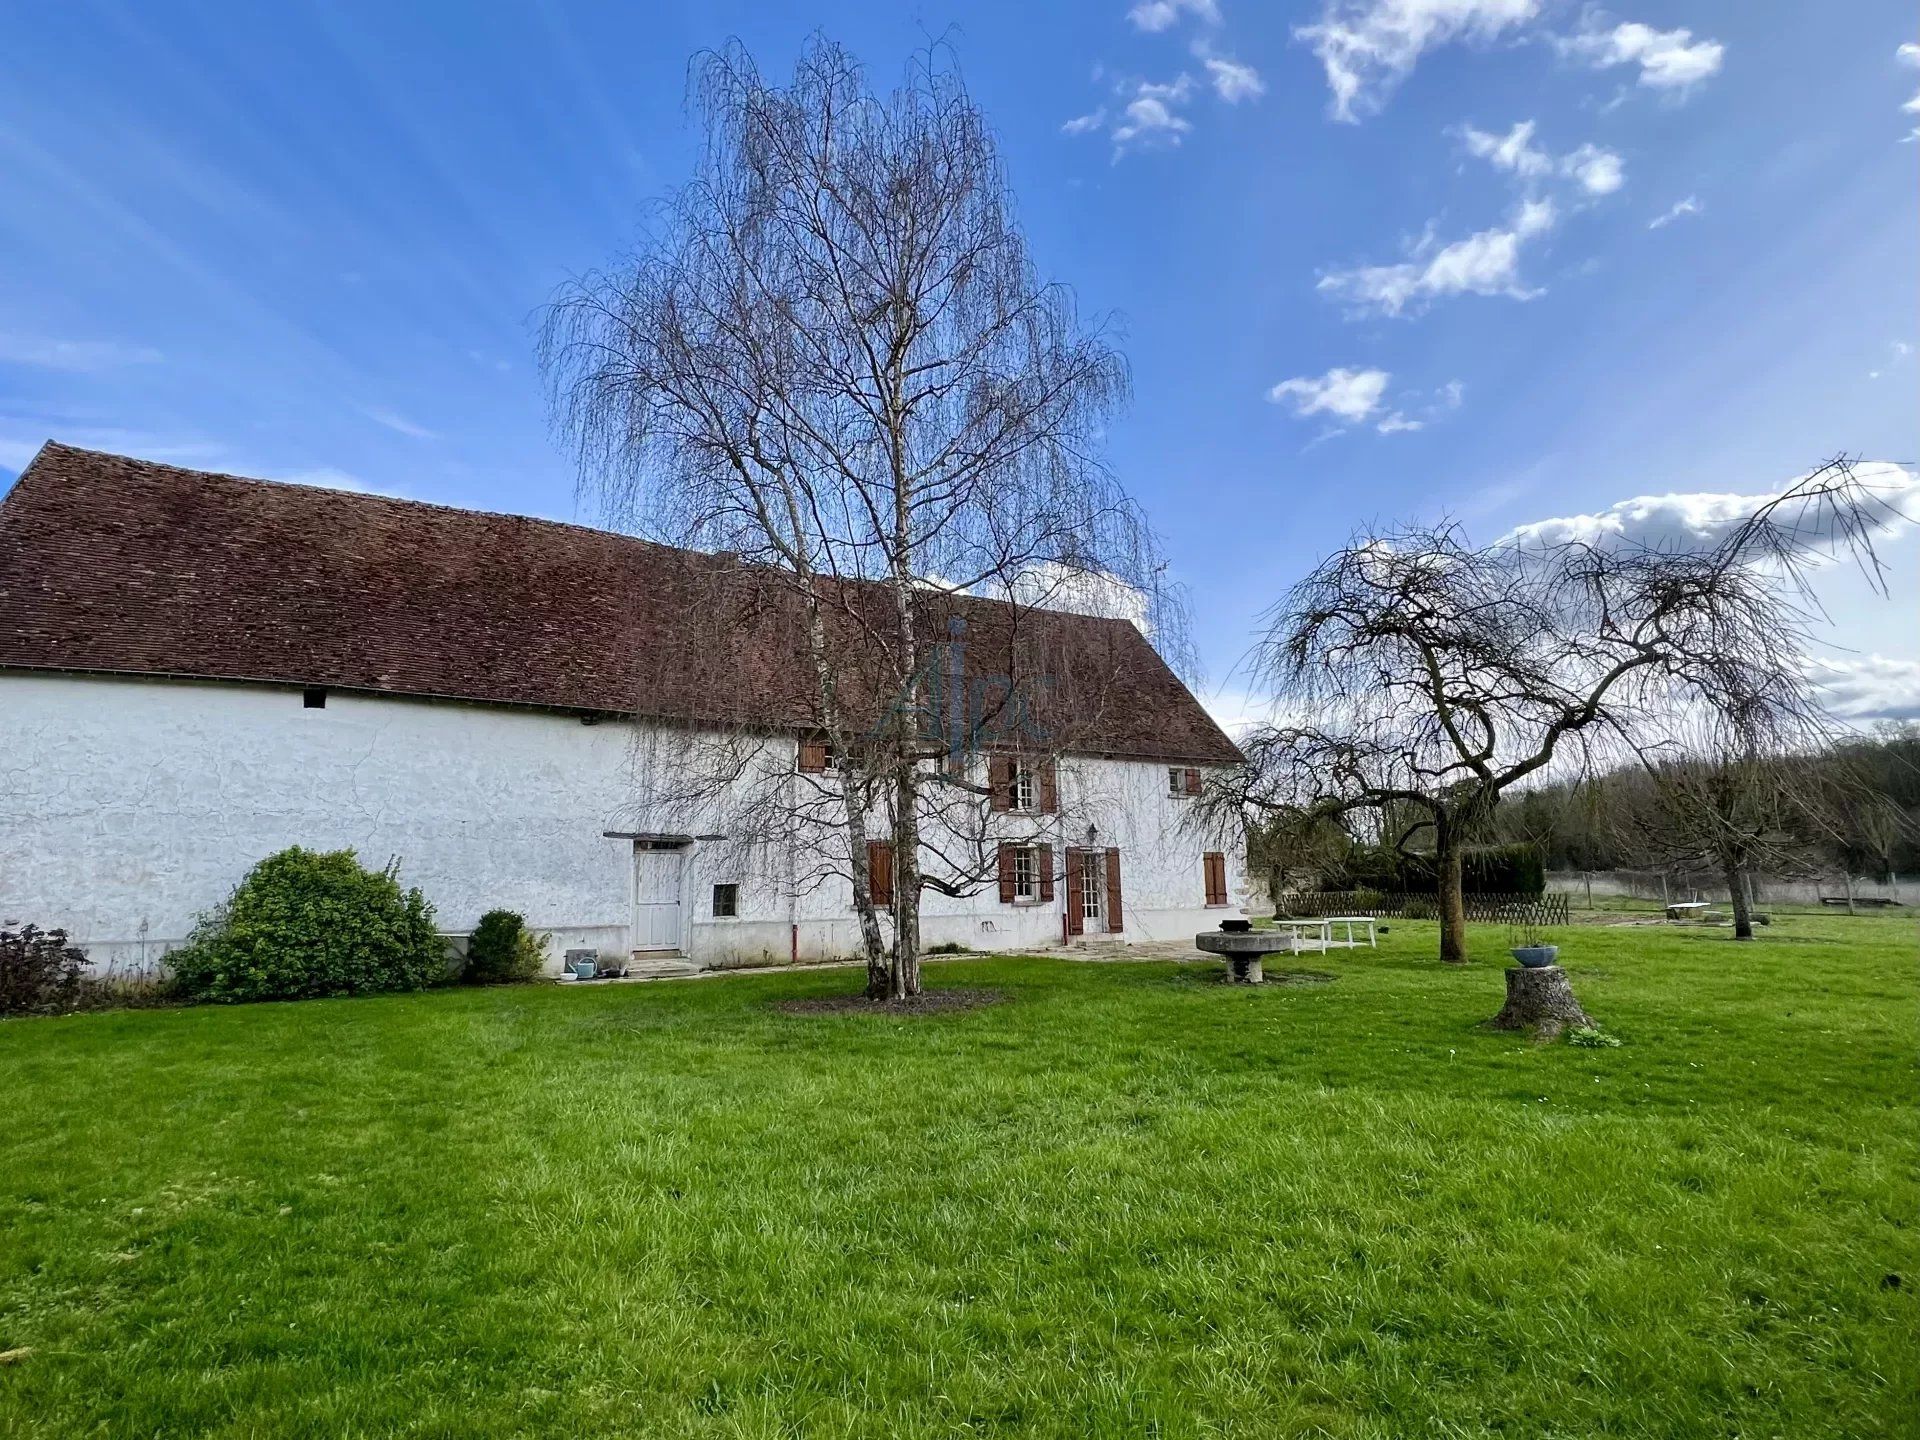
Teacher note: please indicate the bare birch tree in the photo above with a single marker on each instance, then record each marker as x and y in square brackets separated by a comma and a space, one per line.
[830, 353]
[1435, 674]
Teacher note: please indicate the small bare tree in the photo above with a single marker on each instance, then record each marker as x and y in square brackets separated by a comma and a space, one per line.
[1721, 802]
[831, 354]
[1434, 674]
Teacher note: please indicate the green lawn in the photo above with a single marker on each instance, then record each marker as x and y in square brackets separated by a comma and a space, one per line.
[1125, 1202]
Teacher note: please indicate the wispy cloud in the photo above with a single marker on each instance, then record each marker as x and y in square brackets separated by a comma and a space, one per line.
[1898, 351]
[1154, 16]
[1679, 210]
[1486, 263]
[1367, 47]
[1595, 170]
[1145, 115]
[1232, 80]
[1351, 398]
[1670, 60]
[83, 357]
[398, 423]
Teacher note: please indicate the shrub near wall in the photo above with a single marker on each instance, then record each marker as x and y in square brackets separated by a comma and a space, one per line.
[502, 950]
[306, 923]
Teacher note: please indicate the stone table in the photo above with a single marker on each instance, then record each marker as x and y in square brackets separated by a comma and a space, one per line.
[1244, 951]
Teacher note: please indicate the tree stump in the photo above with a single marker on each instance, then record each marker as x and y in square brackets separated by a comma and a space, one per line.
[1539, 999]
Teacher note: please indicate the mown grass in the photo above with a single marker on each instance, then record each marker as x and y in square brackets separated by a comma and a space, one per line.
[1124, 1202]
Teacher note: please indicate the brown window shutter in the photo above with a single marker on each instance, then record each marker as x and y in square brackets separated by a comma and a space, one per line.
[880, 872]
[1006, 874]
[1049, 788]
[1000, 782]
[1076, 894]
[1193, 781]
[1114, 911]
[813, 754]
[1043, 866]
[1216, 871]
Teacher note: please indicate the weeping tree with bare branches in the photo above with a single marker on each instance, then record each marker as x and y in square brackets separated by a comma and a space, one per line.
[1433, 675]
[831, 354]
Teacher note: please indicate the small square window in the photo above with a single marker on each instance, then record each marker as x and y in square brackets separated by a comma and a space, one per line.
[726, 901]
[314, 697]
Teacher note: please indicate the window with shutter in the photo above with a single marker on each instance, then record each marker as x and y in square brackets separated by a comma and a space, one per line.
[1076, 893]
[1193, 782]
[880, 872]
[813, 754]
[1214, 864]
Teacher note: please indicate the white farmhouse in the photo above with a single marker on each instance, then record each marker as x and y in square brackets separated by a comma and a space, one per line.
[197, 670]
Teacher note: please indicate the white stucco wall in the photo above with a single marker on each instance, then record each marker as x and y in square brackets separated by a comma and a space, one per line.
[133, 805]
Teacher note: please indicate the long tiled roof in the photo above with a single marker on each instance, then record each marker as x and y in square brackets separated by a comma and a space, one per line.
[123, 566]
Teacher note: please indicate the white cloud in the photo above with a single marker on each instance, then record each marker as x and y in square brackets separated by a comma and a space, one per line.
[1157, 15]
[1869, 687]
[1081, 124]
[1680, 210]
[1702, 519]
[1152, 116]
[1597, 171]
[1348, 395]
[1668, 59]
[1487, 263]
[83, 357]
[1367, 47]
[398, 423]
[1356, 397]
[1233, 81]
[1513, 151]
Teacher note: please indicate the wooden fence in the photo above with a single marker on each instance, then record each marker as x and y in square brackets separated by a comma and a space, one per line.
[1491, 909]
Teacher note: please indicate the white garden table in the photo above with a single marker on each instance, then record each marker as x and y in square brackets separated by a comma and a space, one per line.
[1350, 921]
[1322, 932]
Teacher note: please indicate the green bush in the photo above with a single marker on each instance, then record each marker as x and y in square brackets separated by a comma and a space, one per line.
[40, 973]
[307, 923]
[502, 950]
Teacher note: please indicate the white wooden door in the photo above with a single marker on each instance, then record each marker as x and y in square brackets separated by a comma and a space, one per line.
[656, 899]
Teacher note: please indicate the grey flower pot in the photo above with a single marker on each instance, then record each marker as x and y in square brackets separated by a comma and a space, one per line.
[1536, 957]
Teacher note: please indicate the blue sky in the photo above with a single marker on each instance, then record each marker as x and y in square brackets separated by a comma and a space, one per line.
[1371, 258]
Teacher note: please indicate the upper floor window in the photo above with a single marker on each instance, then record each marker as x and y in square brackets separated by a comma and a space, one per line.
[1182, 781]
[1026, 793]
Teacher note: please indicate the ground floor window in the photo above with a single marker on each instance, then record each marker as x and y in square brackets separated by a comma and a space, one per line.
[1026, 874]
[726, 901]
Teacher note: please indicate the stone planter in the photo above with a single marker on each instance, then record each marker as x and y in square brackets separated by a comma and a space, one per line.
[1536, 957]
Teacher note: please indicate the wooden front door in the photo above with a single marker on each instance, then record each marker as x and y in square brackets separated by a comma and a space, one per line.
[657, 878]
